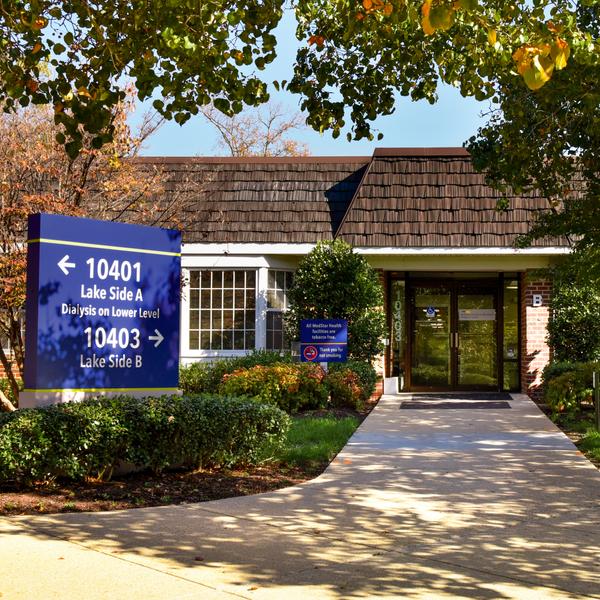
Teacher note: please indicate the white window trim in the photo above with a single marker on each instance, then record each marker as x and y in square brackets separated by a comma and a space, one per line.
[185, 352]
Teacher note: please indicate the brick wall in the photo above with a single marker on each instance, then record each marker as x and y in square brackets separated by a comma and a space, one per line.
[535, 352]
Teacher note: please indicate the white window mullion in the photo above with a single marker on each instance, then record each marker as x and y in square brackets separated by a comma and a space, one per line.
[184, 316]
[262, 284]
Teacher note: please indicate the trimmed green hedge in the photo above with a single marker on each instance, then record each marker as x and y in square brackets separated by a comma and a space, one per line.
[88, 439]
[206, 377]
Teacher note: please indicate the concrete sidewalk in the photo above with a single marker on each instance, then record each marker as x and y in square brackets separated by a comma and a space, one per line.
[485, 503]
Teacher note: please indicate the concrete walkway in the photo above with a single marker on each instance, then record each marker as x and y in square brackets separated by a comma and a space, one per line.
[486, 503]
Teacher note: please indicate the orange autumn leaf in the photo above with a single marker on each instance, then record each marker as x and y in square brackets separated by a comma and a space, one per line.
[319, 40]
[425, 22]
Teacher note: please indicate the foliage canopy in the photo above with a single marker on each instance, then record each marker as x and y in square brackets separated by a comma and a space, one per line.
[537, 62]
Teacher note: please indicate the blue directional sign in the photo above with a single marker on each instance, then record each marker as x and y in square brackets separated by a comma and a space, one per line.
[324, 340]
[102, 308]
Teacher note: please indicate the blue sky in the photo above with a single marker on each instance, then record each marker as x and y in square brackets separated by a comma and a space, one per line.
[449, 122]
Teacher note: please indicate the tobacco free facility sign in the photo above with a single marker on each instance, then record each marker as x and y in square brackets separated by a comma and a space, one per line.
[324, 340]
[102, 306]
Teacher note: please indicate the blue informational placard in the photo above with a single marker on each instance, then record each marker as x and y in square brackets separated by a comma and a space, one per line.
[102, 308]
[324, 340]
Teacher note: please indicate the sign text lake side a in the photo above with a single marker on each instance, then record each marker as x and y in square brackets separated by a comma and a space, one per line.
[102, 308]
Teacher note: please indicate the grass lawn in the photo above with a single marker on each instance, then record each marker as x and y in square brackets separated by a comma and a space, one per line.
[314, 441]
[580, 427]
[590, 445]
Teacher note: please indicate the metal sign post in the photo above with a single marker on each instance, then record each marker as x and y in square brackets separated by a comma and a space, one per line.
[596, 383]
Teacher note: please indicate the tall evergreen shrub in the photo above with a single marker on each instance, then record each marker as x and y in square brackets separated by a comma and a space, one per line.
[333, 282]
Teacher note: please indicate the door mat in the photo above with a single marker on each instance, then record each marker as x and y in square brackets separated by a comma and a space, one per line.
[474, 404]
[481, 396]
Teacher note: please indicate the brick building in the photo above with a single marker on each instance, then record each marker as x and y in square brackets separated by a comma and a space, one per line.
[466, 309]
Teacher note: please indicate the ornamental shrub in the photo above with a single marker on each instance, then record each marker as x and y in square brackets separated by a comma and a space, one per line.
[364, 370]
[556, 368]
[568, 384]
[291, 387]
[333, 282]
[206, 377]
[89, 438]
[566, 392]
[345, 389]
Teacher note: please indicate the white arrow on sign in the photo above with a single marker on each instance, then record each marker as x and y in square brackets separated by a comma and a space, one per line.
[65, 265]
[158, 337]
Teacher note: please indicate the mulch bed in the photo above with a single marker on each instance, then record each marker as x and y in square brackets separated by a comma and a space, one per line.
[144, 489]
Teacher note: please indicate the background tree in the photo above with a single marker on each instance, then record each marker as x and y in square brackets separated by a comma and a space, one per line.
[333, 282]
[37, 176]
[263, 131]
[574, 327]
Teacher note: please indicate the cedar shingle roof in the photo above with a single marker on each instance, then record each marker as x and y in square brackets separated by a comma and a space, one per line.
[399, 198]
[434, 198]
[299, 200]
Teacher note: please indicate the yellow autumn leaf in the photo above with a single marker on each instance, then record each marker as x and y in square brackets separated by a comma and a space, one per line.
[83, 91]
[36, 48]
[388, 9]
[367, 4]
[539, 72]
[560, 52]
[492, 37]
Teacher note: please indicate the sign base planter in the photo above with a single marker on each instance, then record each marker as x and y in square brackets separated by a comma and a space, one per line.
[28, 399]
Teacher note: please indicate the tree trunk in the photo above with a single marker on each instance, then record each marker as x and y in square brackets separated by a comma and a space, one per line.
[5, 404]
[10, 376]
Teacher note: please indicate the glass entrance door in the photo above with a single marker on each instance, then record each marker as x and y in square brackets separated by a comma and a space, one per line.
[453, 337]
[475, 340]
[431, 340]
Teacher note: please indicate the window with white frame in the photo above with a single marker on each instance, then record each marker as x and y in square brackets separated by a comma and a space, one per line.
[222, 310]
[279, 283]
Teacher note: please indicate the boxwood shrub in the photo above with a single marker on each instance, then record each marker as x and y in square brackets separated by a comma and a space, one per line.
[88, 439]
